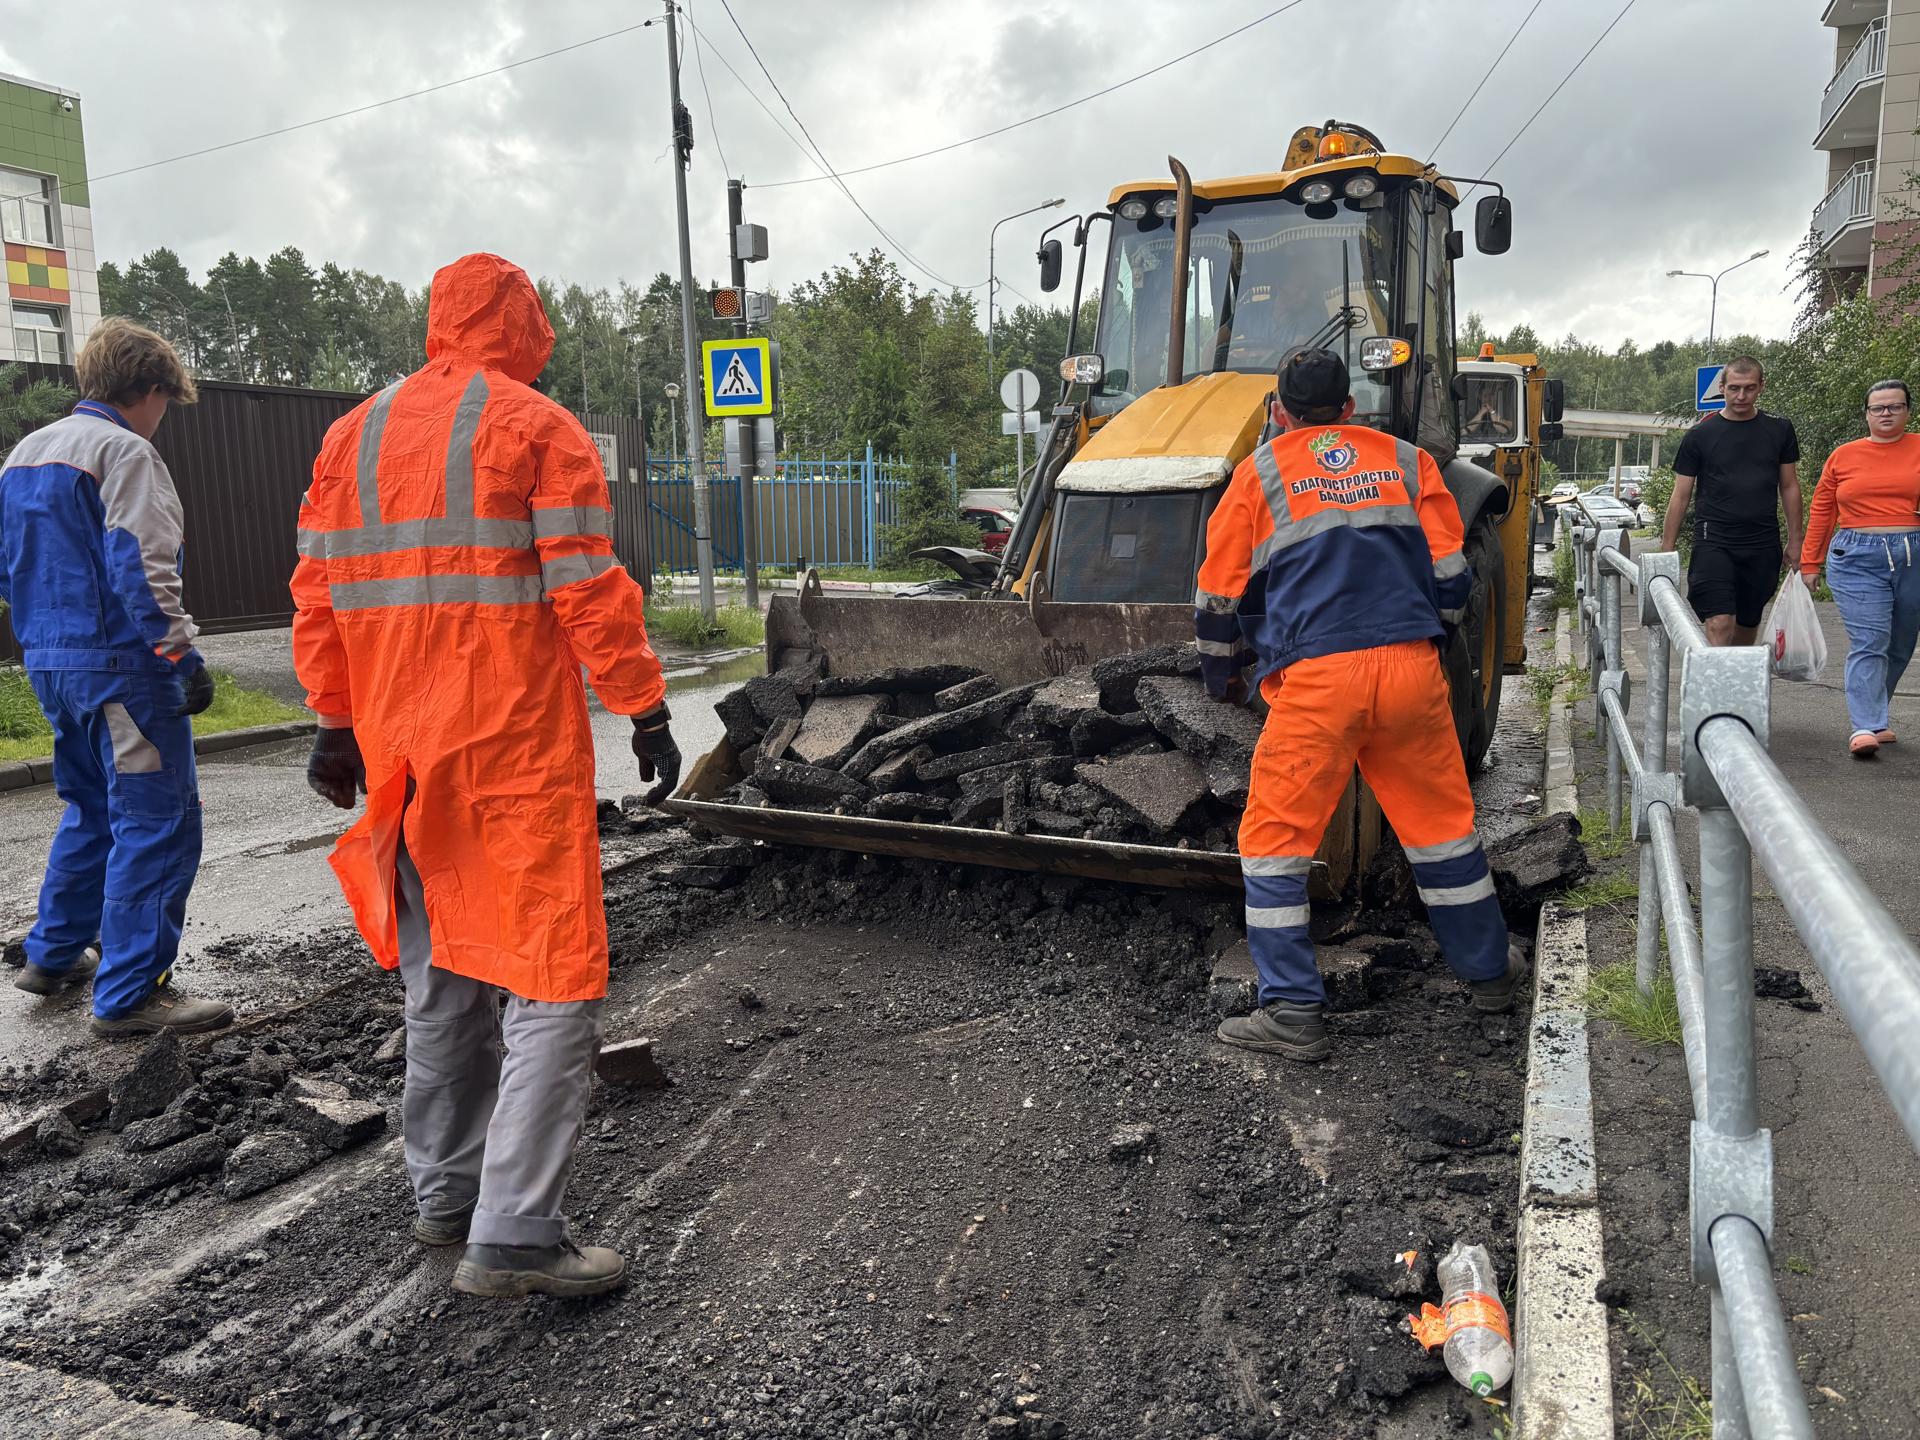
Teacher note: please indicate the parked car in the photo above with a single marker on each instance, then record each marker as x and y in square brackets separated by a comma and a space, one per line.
[1601, 506]
[973, 572]
[1564, 491]
[1630, 491]
[996, 526]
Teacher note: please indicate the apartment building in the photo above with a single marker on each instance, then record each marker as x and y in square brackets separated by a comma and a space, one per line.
[52, 296]
[1868, 115]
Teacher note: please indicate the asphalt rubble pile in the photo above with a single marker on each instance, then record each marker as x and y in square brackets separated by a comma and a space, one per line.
[1129, 750]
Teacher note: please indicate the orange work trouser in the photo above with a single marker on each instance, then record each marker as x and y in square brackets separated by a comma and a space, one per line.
[1385, 709]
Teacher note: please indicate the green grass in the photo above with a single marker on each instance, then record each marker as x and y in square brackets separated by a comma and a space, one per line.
[25, 734]
[1542, 680]
[1600, 837]
[1607, 890]
[1684, 1412]
[733, 625]
[1563, 573]
[1612, 994]
[903, 574]
[1797, 1265]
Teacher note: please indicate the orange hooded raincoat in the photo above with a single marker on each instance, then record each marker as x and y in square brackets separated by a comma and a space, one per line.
[456, 572]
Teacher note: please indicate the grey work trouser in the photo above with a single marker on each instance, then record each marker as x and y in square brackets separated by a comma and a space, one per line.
[482, 1135]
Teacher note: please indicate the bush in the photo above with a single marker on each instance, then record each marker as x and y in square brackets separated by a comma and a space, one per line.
[928, 516]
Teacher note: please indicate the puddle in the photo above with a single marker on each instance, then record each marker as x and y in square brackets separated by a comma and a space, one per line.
[18, 1294]
[724, 670]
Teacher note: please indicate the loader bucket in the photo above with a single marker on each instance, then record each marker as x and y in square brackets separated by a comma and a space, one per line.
[1015, 641]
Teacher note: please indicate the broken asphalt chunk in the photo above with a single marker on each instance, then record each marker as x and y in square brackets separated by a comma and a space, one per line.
[630, 1062]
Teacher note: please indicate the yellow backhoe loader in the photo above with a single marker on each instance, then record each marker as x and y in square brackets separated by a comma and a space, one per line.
[1207, 286]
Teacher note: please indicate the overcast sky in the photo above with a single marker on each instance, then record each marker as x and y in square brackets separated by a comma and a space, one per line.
[1684, 142]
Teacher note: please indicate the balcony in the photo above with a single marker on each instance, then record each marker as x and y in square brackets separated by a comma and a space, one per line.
[1850, 109]
[1852, 12]
[1843, 222]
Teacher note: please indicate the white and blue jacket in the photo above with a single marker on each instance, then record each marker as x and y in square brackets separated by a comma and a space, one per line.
[91, 548]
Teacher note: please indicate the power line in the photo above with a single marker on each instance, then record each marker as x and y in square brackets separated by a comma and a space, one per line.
[344, 114]
[1489, 169]
[700, 66]
[821, 156]
[1434, 153]
[1044, 114]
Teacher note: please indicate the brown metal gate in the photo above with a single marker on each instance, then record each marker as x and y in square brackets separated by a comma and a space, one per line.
[241, 460]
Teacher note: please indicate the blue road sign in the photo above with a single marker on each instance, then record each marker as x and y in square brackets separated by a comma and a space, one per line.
[1707, 391]
[739, 377]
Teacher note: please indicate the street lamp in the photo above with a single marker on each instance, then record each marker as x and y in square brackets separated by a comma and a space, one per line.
[673, 418]
[1714, 308]
[1043, 205]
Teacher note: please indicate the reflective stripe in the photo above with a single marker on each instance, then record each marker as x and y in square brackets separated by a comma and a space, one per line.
[311, 543]
[1275, 864]
[437, 590]
[1275, 488]
[571, 569]
[572, 520]
[1276, 917]
[435, 531]
[133, 753]
[1454, 617]
[1446, 850]
[1481, 889]
[1295, 531]
[1407, 456]
[459, 467]
[366, 472]
[1214, 604]
[1448, 566]
[1227, 649]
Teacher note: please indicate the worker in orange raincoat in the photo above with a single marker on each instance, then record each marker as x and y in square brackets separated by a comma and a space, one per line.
[1332, 560]
[455, 575]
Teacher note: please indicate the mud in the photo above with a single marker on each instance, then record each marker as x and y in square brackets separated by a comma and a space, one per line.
[946, 1152]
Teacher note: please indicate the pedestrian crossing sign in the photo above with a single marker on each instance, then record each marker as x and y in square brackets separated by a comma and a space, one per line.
[1708, 388]
[739, 376]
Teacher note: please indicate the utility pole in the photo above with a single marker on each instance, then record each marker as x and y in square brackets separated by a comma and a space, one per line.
[696, 414]
[748, 426]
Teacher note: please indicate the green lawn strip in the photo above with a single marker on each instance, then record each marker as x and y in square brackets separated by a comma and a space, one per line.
[1613, 994]
[25, 734]
[682, 623]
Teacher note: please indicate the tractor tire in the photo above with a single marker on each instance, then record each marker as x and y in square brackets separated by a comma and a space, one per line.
[1475, 660]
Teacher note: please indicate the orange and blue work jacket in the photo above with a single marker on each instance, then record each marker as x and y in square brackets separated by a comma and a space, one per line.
[1329, 538]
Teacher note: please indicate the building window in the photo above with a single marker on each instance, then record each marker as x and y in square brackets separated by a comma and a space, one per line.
[26, 208]
[39, 335]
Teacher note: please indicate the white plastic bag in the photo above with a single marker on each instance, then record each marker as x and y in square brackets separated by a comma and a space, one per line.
[1799, 647]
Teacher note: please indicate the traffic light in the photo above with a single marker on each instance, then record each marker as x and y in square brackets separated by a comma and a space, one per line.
[728, 303]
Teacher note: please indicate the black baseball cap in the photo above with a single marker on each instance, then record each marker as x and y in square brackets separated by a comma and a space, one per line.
[1314, 380]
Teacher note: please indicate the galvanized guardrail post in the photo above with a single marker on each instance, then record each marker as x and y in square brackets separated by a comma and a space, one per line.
[1653, 759]
[1612, 678]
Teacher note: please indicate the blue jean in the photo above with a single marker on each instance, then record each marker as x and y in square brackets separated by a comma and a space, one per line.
[1875, 580]
[125, 852]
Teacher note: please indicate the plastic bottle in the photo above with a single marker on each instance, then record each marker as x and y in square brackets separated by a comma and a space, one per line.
[1471, 1321]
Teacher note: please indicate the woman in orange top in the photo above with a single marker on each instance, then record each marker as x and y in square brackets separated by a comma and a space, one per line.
[1871, 488]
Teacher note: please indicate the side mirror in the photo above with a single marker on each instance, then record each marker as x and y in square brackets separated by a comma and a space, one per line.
[1551, 431]
[1493, 225]
[1456, 244]
[1050, 266]
[1459, 388]
[1553, 402]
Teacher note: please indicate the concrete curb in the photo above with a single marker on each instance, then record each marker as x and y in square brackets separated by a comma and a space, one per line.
[1563, 1376]
[24, 774]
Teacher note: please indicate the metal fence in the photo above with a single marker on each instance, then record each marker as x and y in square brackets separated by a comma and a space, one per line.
[1745, 809]
[808, 511]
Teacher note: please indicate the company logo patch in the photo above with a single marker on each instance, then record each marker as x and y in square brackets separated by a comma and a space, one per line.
[1333, 453]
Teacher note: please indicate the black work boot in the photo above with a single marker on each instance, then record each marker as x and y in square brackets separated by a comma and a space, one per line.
[1496, 997]
[36, 981]
[1299, 1032]
[563, 1269]
[443, 1229]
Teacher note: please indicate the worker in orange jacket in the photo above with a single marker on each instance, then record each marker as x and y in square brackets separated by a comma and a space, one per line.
[1332, 560]
[455, 575]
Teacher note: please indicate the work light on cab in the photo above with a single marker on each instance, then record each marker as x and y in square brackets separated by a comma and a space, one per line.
[1166, 207]
[1359, 187]
[1317, 192]
[1384, 352]
[1083, 369]
[1133, 209]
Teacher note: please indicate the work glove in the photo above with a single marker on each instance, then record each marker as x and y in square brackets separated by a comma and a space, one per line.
[335, 770]
[197, 681]
[653, 747]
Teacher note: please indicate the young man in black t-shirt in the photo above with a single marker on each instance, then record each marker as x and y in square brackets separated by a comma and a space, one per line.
[1741, 470]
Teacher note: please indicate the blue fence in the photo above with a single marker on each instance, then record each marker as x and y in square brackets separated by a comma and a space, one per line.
[829, 513]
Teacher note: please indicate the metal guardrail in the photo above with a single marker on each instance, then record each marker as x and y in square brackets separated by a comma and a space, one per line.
[1867, 61]
[1746, 808]
[1849, 202]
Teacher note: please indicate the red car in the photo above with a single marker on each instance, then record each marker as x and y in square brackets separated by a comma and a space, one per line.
[995, 527]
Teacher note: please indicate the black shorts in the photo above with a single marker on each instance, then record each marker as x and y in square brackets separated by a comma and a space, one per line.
[1724, 580]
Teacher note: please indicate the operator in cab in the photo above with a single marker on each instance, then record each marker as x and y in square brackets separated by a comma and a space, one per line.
[1333, 559]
